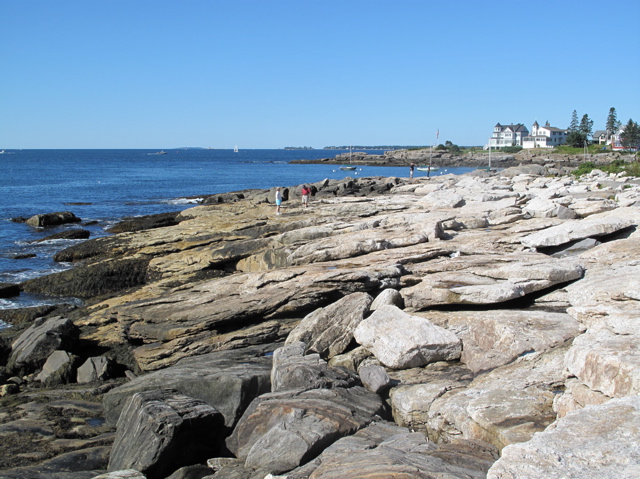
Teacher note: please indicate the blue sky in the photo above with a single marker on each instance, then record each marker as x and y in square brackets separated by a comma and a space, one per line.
[276, 73]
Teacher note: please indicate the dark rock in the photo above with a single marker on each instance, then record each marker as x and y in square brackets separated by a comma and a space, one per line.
[30, 351]
[374, 377]
[60, 368]
[226, 380]
[280, 431]
[81, 464]
[75, 233]
[292, 370]
[53, 219]
[223, 198]
[24, 256]
[99, 279]
[191, 472]
[95, 369]
[21, 316]
[8, 290]
[19, 219]
[163, 430]
[95, 249]
[146, 222]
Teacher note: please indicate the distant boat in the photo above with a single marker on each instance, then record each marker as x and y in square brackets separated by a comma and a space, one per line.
[348, 167]
[161, 152]
[235, 150]
[428, 168]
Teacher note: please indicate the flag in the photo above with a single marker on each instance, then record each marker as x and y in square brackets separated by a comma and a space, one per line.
[437, 133]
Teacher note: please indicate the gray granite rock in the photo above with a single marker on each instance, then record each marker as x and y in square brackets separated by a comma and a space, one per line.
[160, 431]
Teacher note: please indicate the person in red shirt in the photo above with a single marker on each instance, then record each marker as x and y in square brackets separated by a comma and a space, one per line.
[305, 196]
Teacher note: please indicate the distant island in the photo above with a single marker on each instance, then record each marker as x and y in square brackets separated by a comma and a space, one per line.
[299, 148]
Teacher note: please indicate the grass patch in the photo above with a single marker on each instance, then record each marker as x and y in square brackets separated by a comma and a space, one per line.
[616, 166]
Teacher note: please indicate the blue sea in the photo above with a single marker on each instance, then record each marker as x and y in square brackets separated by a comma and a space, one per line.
[104, 186]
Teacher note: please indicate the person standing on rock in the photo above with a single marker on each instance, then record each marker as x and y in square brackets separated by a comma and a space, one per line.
[278, 200]
[411, 168]
[305, 196]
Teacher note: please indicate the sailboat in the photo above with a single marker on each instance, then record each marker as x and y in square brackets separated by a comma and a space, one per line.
[235, 149]
[429, 168]
[348, 167]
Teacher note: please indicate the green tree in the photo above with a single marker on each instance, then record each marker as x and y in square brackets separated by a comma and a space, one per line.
[630, 137]
[573, 126]
[576, 139]
[586, 126]
[612, 123]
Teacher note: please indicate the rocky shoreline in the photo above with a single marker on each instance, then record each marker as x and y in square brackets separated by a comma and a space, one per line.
[471, 326]
[549, 159]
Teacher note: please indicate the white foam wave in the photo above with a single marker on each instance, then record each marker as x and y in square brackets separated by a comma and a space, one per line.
[184, 201]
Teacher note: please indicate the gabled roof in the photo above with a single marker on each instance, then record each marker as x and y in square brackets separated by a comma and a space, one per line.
[599, 133]
[515, 128]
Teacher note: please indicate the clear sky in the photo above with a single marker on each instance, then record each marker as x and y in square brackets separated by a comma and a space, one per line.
[276, 73]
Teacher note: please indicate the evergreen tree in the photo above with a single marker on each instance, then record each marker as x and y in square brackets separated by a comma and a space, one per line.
[586, 126]
[612, 123]
[576, 139]
[573, 126]
[630, 137]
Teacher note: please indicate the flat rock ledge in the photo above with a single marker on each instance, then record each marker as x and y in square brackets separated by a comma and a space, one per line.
[471, 326]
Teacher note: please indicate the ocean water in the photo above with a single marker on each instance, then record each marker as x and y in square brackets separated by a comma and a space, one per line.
[103, 186]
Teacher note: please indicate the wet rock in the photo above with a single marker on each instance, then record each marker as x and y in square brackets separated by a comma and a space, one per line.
[159, 220]
[53, 219]
[104, 278]
[8, 290]
[67, 235]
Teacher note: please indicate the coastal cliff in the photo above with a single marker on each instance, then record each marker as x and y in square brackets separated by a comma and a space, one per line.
[455, 326]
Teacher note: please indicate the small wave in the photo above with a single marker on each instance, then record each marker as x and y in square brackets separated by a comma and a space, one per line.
[26, 300]
[184, 201]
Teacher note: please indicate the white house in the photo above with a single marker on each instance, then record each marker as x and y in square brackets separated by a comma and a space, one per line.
[546, 136]
[507, 135]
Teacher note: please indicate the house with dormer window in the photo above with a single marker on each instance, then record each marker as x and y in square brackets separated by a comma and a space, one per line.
[546, 136]
[507, 135]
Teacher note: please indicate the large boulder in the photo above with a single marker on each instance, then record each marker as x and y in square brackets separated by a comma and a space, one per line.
[281, 431]
[592, 443]
[53, 219]
[160, 431]
[328, 331]
[399, 340]
[33, 347]
[226, 380]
